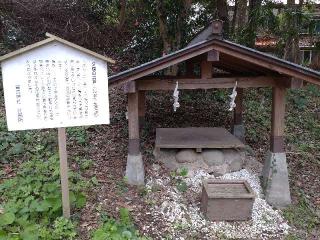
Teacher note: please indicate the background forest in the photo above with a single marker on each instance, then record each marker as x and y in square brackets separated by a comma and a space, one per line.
[136, 31]
[133, 32]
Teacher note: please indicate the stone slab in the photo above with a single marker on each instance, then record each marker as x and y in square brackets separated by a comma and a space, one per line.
[196, 138]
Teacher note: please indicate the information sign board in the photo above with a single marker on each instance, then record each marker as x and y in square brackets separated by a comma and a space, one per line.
[55, 86]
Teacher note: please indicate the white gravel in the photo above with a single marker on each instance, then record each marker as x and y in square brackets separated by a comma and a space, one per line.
[180, 212]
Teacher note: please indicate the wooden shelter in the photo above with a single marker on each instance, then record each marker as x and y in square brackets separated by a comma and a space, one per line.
[222, 63]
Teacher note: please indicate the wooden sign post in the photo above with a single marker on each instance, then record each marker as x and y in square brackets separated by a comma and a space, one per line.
[64, 172]
[55, 84]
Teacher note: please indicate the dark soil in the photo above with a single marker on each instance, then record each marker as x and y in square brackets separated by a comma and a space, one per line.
[108, 148]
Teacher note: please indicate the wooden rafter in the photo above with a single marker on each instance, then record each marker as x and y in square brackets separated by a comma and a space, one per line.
[245, 66]
[233, 69]
[274, 64]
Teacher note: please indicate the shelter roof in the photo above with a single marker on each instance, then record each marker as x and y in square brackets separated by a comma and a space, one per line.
[234, 58]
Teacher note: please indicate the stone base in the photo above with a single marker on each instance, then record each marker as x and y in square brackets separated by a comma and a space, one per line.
[275, 180]
[215, 161]
[135, 170]
[239, 132]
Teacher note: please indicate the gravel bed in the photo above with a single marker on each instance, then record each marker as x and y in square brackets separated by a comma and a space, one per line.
[180, 212]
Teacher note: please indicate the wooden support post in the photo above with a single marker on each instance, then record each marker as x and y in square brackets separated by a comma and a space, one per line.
[64, 172]
[278, 114]
[206, 69]
[275, 179]
[237, 120]
[133, 116]
[135, 168]
[142, 107]
[238, 128]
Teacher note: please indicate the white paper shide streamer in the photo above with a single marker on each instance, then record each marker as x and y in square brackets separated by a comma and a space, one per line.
[233, 97]
[176, 103]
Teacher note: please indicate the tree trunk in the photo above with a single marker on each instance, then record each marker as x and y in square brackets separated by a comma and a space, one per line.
[253, 15]
[222, 14]
[122, 17]
[172, 43]
[181, 21]
[163, 27]
[291, 50]
[240, 16]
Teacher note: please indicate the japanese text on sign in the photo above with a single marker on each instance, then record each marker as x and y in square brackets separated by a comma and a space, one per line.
[47, 92]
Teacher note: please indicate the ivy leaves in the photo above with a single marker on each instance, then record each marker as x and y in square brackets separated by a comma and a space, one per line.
[6, 218]
[23, 144]
[114, 230]
[32, 201]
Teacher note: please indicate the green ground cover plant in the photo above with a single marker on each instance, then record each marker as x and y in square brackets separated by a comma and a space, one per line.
[31, 202]
[117, 230]
[24, 144]
[302, 216]
[178, 179]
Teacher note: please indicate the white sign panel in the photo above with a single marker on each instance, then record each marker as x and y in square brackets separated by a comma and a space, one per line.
[55, 86]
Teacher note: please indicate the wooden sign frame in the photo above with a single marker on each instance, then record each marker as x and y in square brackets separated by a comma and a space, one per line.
[13, 61]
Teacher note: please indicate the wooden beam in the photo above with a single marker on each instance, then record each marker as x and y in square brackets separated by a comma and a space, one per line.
[206, 69]
[130, 87]
[296, 83]
[133, 122]
[169, 83]
[278, 117]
